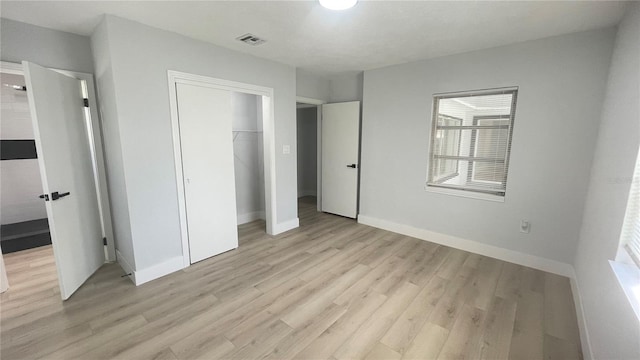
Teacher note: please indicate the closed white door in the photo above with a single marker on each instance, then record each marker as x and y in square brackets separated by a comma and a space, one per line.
[64, 156]
[340, 148]
[204, 115]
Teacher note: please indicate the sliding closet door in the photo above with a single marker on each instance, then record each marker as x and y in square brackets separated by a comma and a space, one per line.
[207, 159]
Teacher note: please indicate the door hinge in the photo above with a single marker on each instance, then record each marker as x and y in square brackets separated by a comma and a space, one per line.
[104, 241]
[86, 102]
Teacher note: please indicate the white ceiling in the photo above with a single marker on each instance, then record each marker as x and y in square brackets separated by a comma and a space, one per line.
[303, 34]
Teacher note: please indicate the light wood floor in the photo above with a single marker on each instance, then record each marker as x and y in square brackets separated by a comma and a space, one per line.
[332, 289]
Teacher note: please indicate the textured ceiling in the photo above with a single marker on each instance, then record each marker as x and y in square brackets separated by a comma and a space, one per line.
[303, 34]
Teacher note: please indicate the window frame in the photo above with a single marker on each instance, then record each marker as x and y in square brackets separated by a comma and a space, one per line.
[629, 244]
[473, 147]
[487, 194]
[457, 171]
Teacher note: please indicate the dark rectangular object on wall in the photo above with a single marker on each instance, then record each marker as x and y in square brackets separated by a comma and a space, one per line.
[18, 149]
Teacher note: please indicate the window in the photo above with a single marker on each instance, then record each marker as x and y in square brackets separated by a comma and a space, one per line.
[630, 237]
[447, 143]
[626, 266]
[471, 140]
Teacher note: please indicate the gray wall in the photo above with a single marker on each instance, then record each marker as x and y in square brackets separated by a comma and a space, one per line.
[248, 156]
[334, 88]
[50, 48]
[114, 161]
[561, 82]
[610, 320]
[139, 59]
[307, 151]
[312, 86]
[346, 87]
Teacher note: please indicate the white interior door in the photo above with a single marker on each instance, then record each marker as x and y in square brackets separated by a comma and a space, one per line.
[66, 168]
[340, 146]
[204, 115]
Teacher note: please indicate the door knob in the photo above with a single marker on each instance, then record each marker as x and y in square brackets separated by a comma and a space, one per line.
[353, 166]
[56, 195]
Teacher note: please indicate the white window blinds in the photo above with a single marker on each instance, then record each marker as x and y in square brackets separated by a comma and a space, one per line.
[471, 140]
[630, 236]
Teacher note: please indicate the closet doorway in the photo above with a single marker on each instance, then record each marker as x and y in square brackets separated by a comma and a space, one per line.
[223, 149]
[248, 156]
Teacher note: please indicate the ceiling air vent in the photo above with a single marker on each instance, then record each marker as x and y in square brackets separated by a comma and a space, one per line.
[251, 39]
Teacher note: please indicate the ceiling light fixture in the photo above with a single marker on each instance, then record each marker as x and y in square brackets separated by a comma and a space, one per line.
[338, 4]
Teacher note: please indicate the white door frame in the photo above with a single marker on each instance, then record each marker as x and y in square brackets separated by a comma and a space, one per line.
[318, 103]
[97, 149]
[269, 152]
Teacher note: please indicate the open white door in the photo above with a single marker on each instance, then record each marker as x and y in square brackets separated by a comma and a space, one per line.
[340, 146]
[64, 157]
[206, 141]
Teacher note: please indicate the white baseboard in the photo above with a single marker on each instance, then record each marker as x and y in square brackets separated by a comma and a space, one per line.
[140, 277]
[516, 257]
[585, 341]
[286, 226]
[128, 268]
[302, 193]
[249, 217]
[159, 270]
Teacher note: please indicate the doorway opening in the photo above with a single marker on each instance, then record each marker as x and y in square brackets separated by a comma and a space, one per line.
[26, 214]
[24, 231]
[224, 155]
[337, 154]
[248, 159]
[23, 215]
[248, 155]
[307, 151]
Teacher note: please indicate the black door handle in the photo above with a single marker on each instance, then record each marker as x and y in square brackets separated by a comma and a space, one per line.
[56, 196]
[353, 166]
[44, 196]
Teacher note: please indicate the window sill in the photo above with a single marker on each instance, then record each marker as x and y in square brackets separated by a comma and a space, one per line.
[465, 194]
[628, 276]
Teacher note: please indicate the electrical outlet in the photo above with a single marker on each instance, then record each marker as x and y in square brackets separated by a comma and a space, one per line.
[525, 226]
[286, 149]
